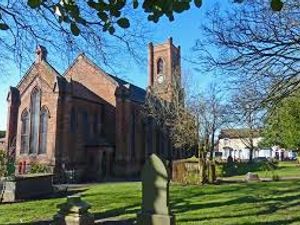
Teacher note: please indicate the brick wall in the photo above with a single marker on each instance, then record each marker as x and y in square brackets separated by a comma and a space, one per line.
[43, 77]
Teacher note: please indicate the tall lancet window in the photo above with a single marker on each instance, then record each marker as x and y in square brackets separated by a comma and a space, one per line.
[35, 120]
[160, 66]
[43, 130]
[24, 132]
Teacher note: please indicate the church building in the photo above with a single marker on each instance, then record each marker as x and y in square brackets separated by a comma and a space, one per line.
[86, 120]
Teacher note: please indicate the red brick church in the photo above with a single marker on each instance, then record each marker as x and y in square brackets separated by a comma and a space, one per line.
[87, 120]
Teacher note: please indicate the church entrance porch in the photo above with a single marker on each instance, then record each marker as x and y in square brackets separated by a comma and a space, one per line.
[98, 165]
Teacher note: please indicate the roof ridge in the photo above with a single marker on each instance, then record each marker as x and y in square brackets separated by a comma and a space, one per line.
[83, 55]
[125, 81]
[30, 69]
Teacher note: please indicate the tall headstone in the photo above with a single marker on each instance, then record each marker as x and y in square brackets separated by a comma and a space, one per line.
[155, 194]
[74, 212]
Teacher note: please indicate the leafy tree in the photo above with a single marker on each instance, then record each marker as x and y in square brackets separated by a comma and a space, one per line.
[282, 126]
[103, 29]
[71, 26]
[24, 28]
[276, 5]
[109, 13]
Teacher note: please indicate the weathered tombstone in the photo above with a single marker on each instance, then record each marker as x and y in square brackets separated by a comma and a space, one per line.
[155, 194]
[252, 177]
[23, 187]
[74, 212]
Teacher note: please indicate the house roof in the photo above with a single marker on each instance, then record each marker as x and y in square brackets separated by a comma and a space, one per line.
[239, 133]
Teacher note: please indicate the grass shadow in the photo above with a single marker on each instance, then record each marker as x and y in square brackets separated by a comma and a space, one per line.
[114, 213]
[115, 222]
[32, 223]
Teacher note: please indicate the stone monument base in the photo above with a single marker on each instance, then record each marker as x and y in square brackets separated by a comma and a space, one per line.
[155, 219]
[74, 212]
[87, 219]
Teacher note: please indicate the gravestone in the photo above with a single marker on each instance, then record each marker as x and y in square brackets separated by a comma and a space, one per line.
[252, 177]
[155, 194]
[23, 187]
[74, 212]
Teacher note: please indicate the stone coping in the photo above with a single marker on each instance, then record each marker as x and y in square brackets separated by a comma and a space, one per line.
[26, 176]
[33, 175]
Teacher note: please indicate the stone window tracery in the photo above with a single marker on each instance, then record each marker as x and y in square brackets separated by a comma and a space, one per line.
[24, 132]
[35, 120]
[43, 130]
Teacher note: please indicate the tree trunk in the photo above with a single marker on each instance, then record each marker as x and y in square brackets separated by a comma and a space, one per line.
[211, 172]
[251, 155]
[202, 169]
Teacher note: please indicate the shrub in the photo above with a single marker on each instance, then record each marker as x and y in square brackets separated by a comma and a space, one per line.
[39, 168]
[7, 164]
[3, 160]
[241, 168]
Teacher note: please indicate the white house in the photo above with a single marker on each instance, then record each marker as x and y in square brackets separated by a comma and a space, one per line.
[236, 143]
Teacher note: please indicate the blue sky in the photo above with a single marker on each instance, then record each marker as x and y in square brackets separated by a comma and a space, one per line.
[184, 30]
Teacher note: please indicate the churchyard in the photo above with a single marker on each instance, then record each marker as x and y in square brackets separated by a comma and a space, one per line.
[241, 203]
[208, 139]
[231, 201]
[285, 169]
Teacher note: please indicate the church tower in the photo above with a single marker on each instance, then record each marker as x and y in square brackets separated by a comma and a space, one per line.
[164, 70]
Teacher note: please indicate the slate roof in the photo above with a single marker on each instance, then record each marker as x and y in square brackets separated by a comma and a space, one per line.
[239, 133]
[137, 94]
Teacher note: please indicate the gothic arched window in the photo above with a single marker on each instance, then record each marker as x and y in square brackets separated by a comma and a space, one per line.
[35, 120]
[24, 132]
[160, 66]
[43, 130]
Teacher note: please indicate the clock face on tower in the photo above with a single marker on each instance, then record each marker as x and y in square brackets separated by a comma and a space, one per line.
[160, 79]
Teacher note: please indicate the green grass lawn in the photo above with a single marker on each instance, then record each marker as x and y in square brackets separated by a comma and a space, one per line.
[285, 169]
[256, 203]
